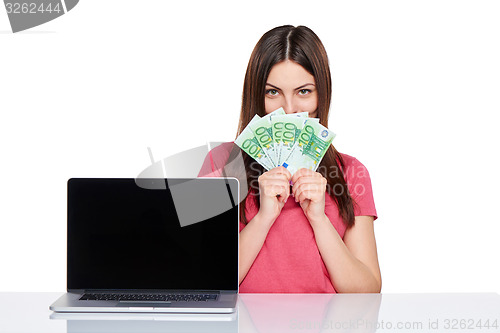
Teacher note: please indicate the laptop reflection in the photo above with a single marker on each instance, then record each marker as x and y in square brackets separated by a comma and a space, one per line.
[148, 323]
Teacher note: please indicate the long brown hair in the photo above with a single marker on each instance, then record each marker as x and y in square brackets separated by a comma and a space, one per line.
[302, 46]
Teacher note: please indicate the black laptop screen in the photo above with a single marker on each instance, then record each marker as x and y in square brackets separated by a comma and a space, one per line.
[153, 234]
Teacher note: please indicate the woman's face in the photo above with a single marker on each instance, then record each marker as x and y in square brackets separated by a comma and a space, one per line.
[291, 87]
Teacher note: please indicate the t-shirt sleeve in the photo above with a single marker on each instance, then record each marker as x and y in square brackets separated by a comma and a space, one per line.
[207, 167]
[215, 161]
[360, 188]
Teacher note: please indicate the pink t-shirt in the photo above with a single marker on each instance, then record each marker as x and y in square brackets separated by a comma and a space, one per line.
[289, 261]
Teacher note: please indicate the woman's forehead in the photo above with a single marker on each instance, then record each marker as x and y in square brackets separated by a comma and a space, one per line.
[289, 73]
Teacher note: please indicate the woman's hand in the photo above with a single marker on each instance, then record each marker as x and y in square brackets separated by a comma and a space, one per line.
[308, 188]
[274, 187]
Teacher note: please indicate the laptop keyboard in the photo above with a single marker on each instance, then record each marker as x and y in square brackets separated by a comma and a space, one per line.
[149, 297]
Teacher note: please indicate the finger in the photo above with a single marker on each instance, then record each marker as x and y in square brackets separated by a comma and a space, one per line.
[307, 195]
[274, 181]
[273, 189]
[309, 190]
[277, 189]
[281, 190]
[282, 170]
[301, 196]
[298, 193]
[288, 192]
[277, 175]
[300, 173]
[308, 180]
[270, 181]
[296, 176]
[302, 181]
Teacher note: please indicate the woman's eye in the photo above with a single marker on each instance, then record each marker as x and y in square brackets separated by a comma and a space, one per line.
[304, 91]
[272, 92]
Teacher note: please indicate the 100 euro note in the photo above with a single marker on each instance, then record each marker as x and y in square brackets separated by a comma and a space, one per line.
[285, 130]
[249, 144]
[310, 147]
[263, 131]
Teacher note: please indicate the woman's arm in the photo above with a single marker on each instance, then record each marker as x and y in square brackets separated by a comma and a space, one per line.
[274, 189]
[252, 238]
[352, 263]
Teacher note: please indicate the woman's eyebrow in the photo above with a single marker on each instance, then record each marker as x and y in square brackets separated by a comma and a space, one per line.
[304, 85]
[272, 85]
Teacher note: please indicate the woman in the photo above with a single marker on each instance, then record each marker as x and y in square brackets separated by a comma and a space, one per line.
[322, 240]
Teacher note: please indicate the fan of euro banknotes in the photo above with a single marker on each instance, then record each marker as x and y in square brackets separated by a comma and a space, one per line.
[294, 141]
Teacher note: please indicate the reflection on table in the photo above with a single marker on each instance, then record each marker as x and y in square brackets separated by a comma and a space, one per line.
[307, 312]
[480, 312]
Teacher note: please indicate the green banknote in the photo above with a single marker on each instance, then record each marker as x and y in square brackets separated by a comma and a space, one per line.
[292, 140]
[277, 112]
[249, 144]
[310, 147]
[263, 131]
[285, 130]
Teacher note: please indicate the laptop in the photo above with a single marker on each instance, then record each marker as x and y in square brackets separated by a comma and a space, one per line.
[157, 245]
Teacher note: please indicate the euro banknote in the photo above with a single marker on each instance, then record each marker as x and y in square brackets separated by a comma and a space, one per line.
[250, 145]
[263, 131]
[291, 140]
[309, 148]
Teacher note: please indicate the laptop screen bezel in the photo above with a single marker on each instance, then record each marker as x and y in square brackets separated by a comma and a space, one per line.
[71, 287]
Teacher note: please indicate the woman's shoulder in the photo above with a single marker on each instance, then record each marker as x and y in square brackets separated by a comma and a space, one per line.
[353, 168]
[350, 161]
[216, 159]
[221, 148]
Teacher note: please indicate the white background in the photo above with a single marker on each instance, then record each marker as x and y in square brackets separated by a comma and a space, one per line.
[415, 98]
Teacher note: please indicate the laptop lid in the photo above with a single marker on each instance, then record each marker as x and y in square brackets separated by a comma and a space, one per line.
[153, 234]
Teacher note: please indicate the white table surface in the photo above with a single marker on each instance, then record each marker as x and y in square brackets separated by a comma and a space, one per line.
[449, 312]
